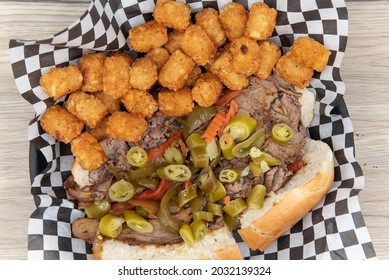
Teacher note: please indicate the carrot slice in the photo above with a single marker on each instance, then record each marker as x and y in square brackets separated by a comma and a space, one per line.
[227, 97]
[232, 111]
[159, 151]
[214, 127]
[226, 200]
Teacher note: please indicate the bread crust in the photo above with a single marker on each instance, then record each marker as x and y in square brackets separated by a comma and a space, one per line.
[307, 189]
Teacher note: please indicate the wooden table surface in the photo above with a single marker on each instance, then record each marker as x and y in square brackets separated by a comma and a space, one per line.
[365, 71]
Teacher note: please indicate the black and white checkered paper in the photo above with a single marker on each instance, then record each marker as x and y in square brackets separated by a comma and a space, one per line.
[335, 229]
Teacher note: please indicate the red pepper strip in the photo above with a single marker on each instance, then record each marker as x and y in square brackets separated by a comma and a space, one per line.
[296, 165]
[230, 114]
[183, 147]
[156, 194]
[159, 151]
[227, 97]
[117, 206]
[187, 184]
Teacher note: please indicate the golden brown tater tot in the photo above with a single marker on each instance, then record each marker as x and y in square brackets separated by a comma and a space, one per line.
[111, 103]
[143, 73]
[147, 36]
[172, 14]
[245, 52]
[159, 56]
[175, 103]
[91, 67]
[127, 127]
[116, 74]
[207, 90]
[269, 53]
[140, 103]
[174, 41]
[233, 18]
[208, 19]
[261, 21]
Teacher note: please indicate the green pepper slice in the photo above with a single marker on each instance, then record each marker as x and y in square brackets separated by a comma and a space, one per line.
[235, 207]
[167, 221]
[240, 127]
[173, 155]
[231, 222]
[143, 172]
[136, 222]
[256, 197]
[207, 181]
[174, 172]
[195, 140]
[111, 225]
[121, 191]
[199, 156]
[187, 235]
[196, 204]
[243, 148]
[229, 175]
[198, 117]
[187, 195]
[141, 212]
[149, 183]
[269, 159]
[282, 133]
[255, 169]
[98, 209]
[215, 209]
[203, 215]
[199, 229]
[137, 157]
[218, 193]
[227, 143]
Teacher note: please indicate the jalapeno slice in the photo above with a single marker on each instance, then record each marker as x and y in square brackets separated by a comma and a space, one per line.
[199, 229]
[199, 116]
[137, 222]
[187, 195]
[240, 127]
[195, 140]
[242, 149]
[282, 133]
[167, 221]
[174, 172]
[256, 197]
[218, 193]
[235, 207]
[111, 225]
[137, 157]
[173, 155]
[98, 209]
[269, 159]
[187, 235]
[199, 156]
[227, 143]
[255, 169]
[142, 172]
[231, 222]
[121, 191]
[215, 209]
[207, 181]
[203, 215]
[229, 175]
[150, 183]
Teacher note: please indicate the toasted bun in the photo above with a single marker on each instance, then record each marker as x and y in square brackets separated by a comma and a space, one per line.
[283, 209]
[81, 176]
[218, 244]
[307, 101]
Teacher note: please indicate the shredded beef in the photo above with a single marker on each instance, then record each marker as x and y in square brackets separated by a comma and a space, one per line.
[276, 177]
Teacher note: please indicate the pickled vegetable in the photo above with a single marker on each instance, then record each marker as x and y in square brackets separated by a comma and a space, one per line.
[229, 175]
[98, 209]
[199, 156]
[207, 181]
[235, 207]
[242, 149]
[215, 209]
[218, 193]
[269, 159]
[282, 133]
[203, 215]
[256, 197]
[187, 195]
[143, 172]
[198, 117]
[195, 140]
[231, 222]
[174, 156]
[255, 169]
[137, 222]
[167, 220]
[199, 229]
[197, 203]
[149, 183]
[240, 127]
[174, 172]
[227, 143]
[137, 157]
[121, 191]
[187, 235]
[111, 225]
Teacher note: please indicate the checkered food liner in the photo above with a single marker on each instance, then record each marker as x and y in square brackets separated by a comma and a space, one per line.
[335, 229]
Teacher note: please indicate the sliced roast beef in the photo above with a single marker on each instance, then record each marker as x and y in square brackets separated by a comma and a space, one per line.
[81, 194]
[276, 177]
[241, 188]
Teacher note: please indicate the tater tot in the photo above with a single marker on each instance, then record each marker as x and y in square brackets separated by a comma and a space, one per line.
[127, 127]
[269, 53]
[111, 103]
[58, 82]
[61, 124]
[172, 14]
[245, 52]
[86, 107]
[147, 36]
[140, 103]
[143, 73]
[116, 77]
[207, 90]
[197, 45]
[159, 56]
[174, 41]
[293, 72]
[100, 130]
[222, 67]
[261, 21]
[208, 19]
[176, 70]
[233, 18]
[309, 52]
[91, 67]
[88, 152]
[175, 103]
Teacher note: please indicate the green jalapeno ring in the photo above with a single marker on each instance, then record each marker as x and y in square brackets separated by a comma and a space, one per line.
[174, 156]
[199, 156]
[121, 191]
[207, 181]
[137, 157]
[231, 222]
[215, 208]
[137, 222]
[166, 220]
[227, 143]
[198, 117]
[256, 197]
[187, 195]
[174, 172]
[199, 229]
[218, 193]
[240, 127]
[187, 235]
[203, 215]
[242, 149]
[111, 225]
[235, 207]
[98, 209]
[229, 175]
[281, 133]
